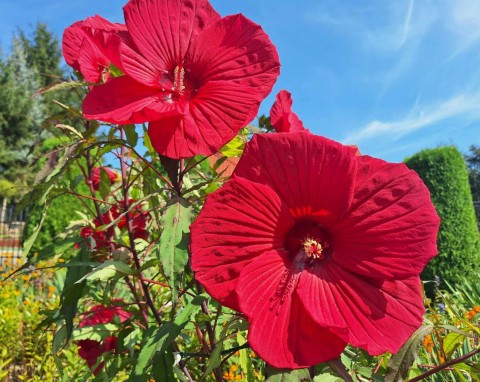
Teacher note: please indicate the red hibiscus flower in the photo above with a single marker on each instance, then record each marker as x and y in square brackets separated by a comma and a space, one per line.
[318, 247]
[196, 77]
[282, 118]
[104, 237]
[90, 350]
[96, 171]
[82, 54]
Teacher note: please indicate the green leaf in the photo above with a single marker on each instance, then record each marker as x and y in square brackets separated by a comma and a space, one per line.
[110, 269]
[132, 136]
[95, 333]
[174, 240]
[73, 291]
[285, 375]
[67, 85]
[400, 363]
[157, 340]
[245, 360]
[235, 147]
[70, 128]
[452, 342]
[105, 183]
[325, 377]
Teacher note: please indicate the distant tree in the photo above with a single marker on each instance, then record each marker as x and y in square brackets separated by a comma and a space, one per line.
[445, 174]
[473, 164]
[34, 63]
[21, 114]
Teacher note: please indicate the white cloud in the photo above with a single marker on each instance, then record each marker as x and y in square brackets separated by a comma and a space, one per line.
[462, 17]
[462, 106]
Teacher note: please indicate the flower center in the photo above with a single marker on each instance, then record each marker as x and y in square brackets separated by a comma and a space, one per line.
[313, 249]
[308, 239]
[178, 79]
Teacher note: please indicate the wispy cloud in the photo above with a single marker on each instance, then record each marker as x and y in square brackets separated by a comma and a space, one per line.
[396, 23]
[462, 18]
[462, 106]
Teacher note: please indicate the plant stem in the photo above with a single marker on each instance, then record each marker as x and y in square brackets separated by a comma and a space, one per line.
[445, 365]
[338, 367]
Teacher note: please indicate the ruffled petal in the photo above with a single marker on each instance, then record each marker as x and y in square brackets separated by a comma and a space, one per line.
[375, 315]
[282, 332]
[123, 100]
[81, 51]
[390, 230]
[235, 49]
[215, 115]
[163, 30]
[71, 43]
[313, 175]
[237, 223]
[282, 118]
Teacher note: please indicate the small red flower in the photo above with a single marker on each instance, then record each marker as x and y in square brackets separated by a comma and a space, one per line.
[82, 54]
[104, 237]
[96, 172]
[196, 77]
[318, 247]
[90, 350]
[282, 118]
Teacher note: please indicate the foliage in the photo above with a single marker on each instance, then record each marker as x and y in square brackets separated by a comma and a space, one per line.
[473, 165]
[32, 64]
[25, 352]
[444, 172]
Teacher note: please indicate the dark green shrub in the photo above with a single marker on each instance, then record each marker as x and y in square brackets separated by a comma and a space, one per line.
[445, 174]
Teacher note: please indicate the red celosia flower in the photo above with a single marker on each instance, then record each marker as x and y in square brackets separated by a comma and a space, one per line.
[104, 237]
[198, 77]
[114, 176]
[90, 350]
[82, 54]
[282, 118]
[318, 247]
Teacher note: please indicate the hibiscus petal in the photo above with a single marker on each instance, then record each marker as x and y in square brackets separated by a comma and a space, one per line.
[215, 115]
[92, 62]
[235, 49]
[304, 170]
[72, 40]
[123, 100]
[162, 30]
[282, 332]
[282, 118]
[233, 228]
[375, 315]
[390, 230]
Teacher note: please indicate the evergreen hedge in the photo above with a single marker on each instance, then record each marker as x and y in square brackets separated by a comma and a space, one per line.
[445, 174]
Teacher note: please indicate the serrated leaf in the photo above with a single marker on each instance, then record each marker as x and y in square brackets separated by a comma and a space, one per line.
[400, 363]
[62, 86]
[132, 136]
[69, 128]
[108, 270]
[285, 375]
[174, 240]
[452, 342]
[159, 339]
[73, 291]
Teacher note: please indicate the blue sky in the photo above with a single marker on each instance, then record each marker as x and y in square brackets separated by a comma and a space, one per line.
[393, 77]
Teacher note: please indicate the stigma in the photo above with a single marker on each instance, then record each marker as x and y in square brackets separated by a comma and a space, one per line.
[314, 249]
